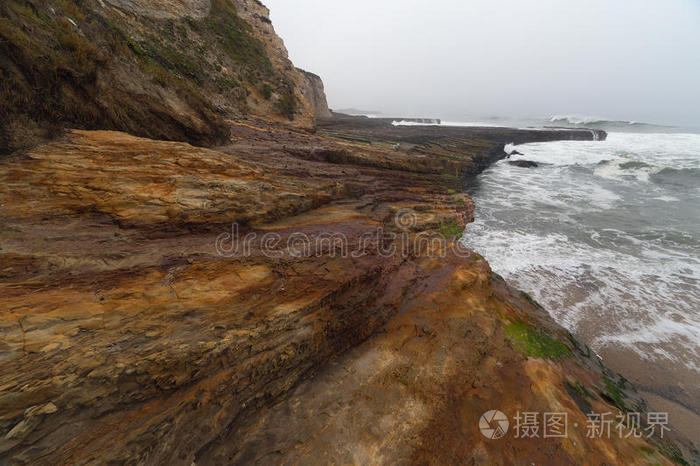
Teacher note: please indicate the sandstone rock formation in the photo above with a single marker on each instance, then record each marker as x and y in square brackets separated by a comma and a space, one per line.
[285, 297]
[133, 330]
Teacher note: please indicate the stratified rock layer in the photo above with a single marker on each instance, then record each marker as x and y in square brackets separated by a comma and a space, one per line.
[135, 329]
[165, 9]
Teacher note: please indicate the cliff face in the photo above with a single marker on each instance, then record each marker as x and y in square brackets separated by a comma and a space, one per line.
[315, 93]
[165, 9]
[258, 16]
[166, 69]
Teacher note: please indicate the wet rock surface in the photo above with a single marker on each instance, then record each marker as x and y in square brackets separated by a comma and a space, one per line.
[523, 163]
[135, 329]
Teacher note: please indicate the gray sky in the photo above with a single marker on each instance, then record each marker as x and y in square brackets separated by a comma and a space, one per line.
[621, 59]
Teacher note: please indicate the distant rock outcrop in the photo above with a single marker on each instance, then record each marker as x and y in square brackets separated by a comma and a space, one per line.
[422, 121]
[523, 163]
[275, 98]
[315, 93]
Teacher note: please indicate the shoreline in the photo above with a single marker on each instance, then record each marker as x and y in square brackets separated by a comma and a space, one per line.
[672, 382]
[669, 378]
[661, 396]
[202, 357]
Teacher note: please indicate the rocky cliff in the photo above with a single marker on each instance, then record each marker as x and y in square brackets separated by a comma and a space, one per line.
[283, 298]
[166, 69]
[290, 101]
[288, 298]
[315, 93]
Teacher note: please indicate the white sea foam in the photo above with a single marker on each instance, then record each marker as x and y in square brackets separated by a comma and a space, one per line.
[606, 235]
[580, 120]
[414, 123]
[468, 124]
[622, 168]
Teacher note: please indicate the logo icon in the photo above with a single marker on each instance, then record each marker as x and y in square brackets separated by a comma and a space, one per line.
[494, 424]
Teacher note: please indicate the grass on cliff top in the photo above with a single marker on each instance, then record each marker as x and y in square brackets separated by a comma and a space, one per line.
[534, 343]
[235, 36]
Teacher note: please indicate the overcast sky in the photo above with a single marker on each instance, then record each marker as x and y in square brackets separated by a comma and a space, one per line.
[622, 59]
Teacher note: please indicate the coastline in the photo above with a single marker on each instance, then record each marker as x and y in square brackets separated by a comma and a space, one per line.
[660, 389]
[201, 264]
[586, 260]
[203, 356]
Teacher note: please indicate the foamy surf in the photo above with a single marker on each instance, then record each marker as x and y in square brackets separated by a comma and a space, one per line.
[606, 235]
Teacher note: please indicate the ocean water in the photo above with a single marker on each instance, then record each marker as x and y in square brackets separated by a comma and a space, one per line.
[606, 235]
[558, 121]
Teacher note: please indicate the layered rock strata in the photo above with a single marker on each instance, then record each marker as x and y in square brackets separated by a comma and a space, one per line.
[134, 328]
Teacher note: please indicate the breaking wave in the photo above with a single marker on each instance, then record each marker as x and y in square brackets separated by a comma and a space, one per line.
[582, 120]
[606, 235]
[574, 121]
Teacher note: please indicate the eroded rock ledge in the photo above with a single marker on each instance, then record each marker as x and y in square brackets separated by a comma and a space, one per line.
[127, 334]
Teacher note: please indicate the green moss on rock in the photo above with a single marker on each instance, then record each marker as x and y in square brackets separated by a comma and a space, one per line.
[450, 228]
[534, 343]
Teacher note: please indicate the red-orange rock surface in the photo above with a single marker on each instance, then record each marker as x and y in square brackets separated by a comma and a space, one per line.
[130, 332]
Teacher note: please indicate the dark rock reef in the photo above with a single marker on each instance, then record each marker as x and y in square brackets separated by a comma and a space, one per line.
[523, 163]
[363, 128]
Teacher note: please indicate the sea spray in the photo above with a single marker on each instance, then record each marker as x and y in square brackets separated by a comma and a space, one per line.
[606, 235]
